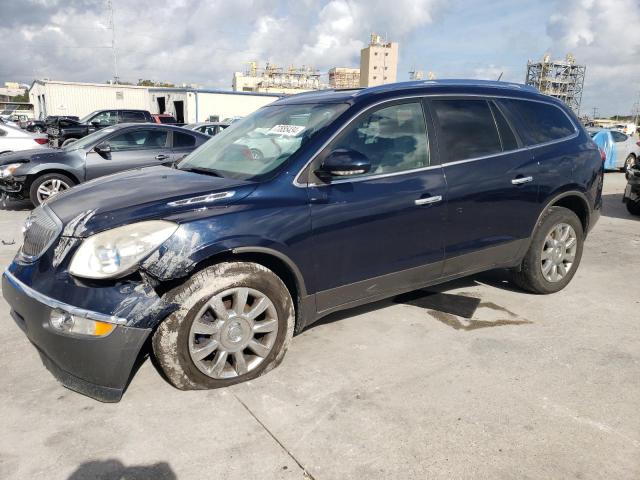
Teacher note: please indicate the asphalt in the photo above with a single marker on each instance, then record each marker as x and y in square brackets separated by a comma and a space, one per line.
[529, 387]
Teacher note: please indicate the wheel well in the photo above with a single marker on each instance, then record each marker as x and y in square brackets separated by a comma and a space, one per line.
[578, 206]
[60, 172]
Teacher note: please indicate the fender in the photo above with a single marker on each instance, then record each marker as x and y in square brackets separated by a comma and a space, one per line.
[555, 198]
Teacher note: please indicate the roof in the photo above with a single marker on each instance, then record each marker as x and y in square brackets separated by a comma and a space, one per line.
[85, 84]
[423, 86]
[213, 90]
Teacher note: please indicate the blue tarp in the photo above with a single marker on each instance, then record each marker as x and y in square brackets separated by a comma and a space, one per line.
[604, 140]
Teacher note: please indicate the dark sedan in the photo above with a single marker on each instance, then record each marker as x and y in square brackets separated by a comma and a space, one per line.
[39, 174]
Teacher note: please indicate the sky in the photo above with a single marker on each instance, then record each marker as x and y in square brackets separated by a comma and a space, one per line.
[204, 41]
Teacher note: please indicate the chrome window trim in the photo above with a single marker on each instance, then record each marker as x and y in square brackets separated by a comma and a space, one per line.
[297, 184]
[55, 304]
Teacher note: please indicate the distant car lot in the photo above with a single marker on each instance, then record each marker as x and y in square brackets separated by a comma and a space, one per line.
[531, 386]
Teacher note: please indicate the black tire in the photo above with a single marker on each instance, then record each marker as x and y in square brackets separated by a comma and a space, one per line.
[530, 276]
[47, 177]
[172, 337]
[68, 141]
[628, 163]
[633, 207]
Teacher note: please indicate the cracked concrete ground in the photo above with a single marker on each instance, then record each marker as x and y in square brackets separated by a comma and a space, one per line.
[540, 387]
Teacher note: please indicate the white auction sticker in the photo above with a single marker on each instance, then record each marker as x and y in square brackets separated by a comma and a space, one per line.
[288, 130]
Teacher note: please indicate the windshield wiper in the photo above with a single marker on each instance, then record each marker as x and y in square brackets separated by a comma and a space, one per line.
[204, 171]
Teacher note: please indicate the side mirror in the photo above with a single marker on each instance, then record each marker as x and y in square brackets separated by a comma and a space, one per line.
[343, 163]
[103, 148]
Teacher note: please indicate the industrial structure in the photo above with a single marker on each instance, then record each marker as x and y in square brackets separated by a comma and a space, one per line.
[344, 77]
[186, 104]
[378, 62]
[274, 79]
[562, 79]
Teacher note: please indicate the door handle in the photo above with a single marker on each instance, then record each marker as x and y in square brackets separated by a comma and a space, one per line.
[162, 157]
[521, 180]
[428, 200]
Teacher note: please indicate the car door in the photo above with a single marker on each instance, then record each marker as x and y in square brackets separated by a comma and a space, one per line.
[131, 116]
[182, 144]
[380, 232]
[492, 184]
[132, 148]
[102, 120]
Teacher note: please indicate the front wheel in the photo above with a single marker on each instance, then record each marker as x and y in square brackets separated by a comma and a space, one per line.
[554, 254]
[633, 207]
[48, 185]
[234, 323]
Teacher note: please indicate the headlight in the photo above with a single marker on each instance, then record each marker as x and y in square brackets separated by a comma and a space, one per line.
[117, 252]
[7, 170]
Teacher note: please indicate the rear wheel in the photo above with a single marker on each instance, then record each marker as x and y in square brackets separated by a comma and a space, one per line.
[628, 163]
[48, 185]
[554, 254]
[234, 324]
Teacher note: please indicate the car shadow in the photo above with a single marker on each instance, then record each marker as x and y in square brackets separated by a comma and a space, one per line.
[15, 205]
[613, 207]
[442, 301]
[113, 469]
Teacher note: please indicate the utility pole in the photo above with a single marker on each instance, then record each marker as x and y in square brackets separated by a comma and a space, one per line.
[595, 112]
[112, 26]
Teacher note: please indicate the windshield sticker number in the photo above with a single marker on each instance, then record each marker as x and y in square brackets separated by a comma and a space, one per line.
[286, 130]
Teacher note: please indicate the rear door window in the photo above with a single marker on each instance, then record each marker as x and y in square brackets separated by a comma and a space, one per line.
[618, 137]
[466, 129]
[542, 122]
[132, 117]
[181, 140]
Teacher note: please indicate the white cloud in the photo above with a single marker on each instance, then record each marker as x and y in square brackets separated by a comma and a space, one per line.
[603, 35]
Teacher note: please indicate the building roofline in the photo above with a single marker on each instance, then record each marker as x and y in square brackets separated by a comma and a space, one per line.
[213, 90]
[86, 84]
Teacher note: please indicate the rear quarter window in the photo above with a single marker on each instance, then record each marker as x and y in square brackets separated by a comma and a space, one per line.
[541, 122]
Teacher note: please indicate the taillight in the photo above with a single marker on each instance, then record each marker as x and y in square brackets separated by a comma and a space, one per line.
[603, 155]
[41, 141]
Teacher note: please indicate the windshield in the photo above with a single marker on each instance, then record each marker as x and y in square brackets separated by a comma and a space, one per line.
[258, 144]
[88, 140]
[86, 118]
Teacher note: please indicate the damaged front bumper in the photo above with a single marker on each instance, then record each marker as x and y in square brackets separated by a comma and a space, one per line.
[99, 367]
[13, 187]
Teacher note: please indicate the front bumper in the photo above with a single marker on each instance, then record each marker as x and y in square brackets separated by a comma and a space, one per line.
[99, 367]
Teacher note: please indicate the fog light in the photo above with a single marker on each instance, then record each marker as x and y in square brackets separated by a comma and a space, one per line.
[68, 323]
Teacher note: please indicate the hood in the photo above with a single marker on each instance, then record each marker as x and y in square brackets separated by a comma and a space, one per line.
[141, 194]
[32, 155]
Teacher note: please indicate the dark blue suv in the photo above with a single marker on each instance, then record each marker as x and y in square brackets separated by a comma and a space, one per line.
[316, 203]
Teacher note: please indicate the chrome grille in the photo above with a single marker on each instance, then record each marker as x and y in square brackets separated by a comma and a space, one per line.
[41, 229]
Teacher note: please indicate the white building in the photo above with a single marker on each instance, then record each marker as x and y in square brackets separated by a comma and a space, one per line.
[72, 98]
[190, 105]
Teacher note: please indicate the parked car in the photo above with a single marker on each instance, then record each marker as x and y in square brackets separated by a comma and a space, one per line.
[381, 191]
[65, 130]
[40, 126]
[164, 118]
[39, 174]
[621, 150]
[631, 197]
[208, 128]
[14, 139]
[8, 123]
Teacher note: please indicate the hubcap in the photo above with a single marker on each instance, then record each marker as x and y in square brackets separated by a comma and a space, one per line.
[558, 252]
[233, 333]
[50, 188]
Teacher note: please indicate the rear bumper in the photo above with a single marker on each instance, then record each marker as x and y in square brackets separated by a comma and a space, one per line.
[99, 367]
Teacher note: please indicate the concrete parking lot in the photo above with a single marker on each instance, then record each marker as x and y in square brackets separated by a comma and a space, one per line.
[530, 387]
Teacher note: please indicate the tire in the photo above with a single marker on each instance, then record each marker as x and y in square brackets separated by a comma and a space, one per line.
[57, 182]
[176, 340]
[633, 207]
[530, 276]
[628, 163]
[68, 141]
[38, 130]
